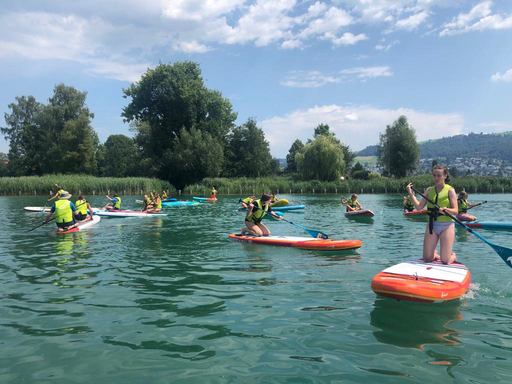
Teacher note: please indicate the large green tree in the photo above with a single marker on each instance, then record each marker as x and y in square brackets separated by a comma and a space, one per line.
[321, 159]
[398, 151]
[120, 157]
[196, 154]
[291, 164]
[248, 153]
[348, 154]
[56, 137]
[168, 101]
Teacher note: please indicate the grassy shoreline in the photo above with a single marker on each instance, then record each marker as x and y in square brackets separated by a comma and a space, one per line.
[43, 185]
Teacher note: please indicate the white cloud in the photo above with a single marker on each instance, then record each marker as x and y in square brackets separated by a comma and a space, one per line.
[348, 39]
[412, 22]
[478, 19]
[506, 77]
[368, 72]
[311, 79]
[496, 126]
[282, 131]
[386, 47]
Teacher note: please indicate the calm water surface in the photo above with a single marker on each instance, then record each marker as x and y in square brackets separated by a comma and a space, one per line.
[173, 300]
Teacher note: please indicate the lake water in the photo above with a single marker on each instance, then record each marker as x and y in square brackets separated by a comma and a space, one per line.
[173, 300]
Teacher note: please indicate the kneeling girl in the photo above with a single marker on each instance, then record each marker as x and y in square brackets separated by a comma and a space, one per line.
[257, 209]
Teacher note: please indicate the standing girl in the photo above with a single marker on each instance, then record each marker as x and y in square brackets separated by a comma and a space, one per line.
[440, 227]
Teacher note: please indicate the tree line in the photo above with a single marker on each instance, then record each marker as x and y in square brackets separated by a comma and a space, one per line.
[183, 132]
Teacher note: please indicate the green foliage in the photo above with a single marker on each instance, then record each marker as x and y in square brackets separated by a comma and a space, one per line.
[119, 157]
[248, 152]
[361, 174]
[398, 150]
[56, 137]
[172, 99]
[3, 164]
[321, 159]
[196, 155]
[42, 185]
[357, 167]
[291, 164]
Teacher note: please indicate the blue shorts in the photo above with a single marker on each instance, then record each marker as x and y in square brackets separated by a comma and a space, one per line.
[439, 227]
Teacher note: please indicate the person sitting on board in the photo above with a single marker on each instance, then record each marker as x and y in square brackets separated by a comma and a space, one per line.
[64, 211]
[408, 204]
[439, 227]
[352, 203]
[59, 192]
[245, 202]
[156, 203]
[115, 204]
[256, 212]
[274, 198]
[84, 209]
[146, 203]
[164, 195]
[462, 200]
[214, 193]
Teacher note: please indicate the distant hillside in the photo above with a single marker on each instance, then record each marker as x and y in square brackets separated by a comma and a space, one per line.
[494, 146]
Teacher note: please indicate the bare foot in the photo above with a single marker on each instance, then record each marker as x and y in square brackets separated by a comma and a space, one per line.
[436, 255]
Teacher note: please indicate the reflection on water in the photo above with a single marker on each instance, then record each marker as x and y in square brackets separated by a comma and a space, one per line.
[413, 325]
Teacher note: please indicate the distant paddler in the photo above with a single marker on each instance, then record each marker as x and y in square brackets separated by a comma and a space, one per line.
[64, 211]
[245, 202]
[84, 209]
[408, 204]
[146, 203]
[352, 203]
[164, 195]
[214, 193]
[464, 205]
[60, 190]
[115, 203]
[156, 203]
[257, 209]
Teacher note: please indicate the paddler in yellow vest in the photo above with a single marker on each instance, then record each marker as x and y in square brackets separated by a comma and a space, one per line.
[214, 193]
[164, 195]
[64, 211]
[274, 198]
[245, 202]
[408, 204]
[440, 226]
[115, 203]
[352, 203]
[462, 200]
[84, 209]
[146, 203]
[59, 192]
[156, 203]
[257, 210]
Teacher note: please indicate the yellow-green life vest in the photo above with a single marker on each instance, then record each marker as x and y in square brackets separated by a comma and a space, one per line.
[63, 212]
[274, 199]
[164, 196]
[258, 212]
[463, 205]
[247, 200]
[352, 204]
[117, 204]
[442, 200]
[60, 191]
[81, 206]
[409, 204]
[214, 191]
[159, 205]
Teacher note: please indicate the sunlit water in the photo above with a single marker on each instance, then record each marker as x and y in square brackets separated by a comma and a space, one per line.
[174, 300]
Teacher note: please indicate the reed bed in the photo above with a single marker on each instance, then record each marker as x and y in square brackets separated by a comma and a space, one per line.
[91, 185]
[289, 185]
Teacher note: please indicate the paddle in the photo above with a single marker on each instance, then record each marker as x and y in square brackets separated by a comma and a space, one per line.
[504, 253]
[312, 232]
[476, 205]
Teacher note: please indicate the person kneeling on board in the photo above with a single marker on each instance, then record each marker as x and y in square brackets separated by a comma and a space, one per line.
[84, 209]
[439, 227]
[408, 204]
[245, 202]
[352, 203]
[156, 204]
[64, 211]
[257, 209]
[115, 203]
[462, 200]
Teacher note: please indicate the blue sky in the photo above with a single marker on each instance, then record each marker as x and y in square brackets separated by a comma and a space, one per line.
[356, 65]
